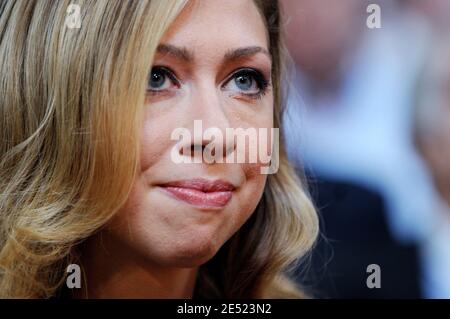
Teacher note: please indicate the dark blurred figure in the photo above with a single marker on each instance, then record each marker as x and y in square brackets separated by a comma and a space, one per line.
[356, 235]
[432, 138]
[349, 129]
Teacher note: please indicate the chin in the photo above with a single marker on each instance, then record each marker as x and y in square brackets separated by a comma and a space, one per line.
[193, 251]
[191, 261]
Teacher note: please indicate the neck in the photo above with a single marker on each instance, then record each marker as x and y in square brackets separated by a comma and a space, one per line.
[112, 271]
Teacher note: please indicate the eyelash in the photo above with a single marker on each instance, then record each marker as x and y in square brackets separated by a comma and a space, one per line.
[261, 81]
[166, 72]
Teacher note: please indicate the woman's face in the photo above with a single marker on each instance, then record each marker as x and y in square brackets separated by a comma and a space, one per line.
[212, 65]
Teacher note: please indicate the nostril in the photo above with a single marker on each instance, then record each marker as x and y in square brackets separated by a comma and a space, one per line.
[209, 147]
[194, 150]
[197, 149]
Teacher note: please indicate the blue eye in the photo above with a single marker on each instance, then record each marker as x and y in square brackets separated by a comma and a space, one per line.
[245, 82]
[161, 79]
[248, 82]
[157, 80]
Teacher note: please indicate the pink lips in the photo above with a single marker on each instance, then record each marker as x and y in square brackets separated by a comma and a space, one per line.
[200, 192]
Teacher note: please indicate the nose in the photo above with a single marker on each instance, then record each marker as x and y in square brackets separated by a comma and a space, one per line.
[210, 126]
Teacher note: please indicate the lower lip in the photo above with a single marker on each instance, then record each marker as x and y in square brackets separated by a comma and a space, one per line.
[198, 198]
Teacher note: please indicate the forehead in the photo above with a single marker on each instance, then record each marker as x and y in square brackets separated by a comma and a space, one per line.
[217, 26]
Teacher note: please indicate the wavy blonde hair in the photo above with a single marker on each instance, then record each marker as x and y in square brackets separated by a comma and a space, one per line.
[68, 98]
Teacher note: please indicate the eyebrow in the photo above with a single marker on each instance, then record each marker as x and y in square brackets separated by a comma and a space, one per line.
[183, 53]
[239, 53]
[176, 52]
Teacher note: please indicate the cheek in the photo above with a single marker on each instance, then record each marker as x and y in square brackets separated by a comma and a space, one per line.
[155, 141]
[255, 180]
[256, 154]
[253, 190]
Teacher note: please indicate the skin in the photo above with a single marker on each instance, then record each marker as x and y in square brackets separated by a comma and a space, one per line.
[155, 244]
[435, 150]
[433, 142]
[320, 33]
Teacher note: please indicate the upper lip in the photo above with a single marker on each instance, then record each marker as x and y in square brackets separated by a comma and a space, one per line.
[203, 185]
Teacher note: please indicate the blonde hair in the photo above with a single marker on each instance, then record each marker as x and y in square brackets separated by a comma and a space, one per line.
[68, 98]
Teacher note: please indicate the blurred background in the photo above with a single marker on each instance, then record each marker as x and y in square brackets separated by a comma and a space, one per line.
[368, 119]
